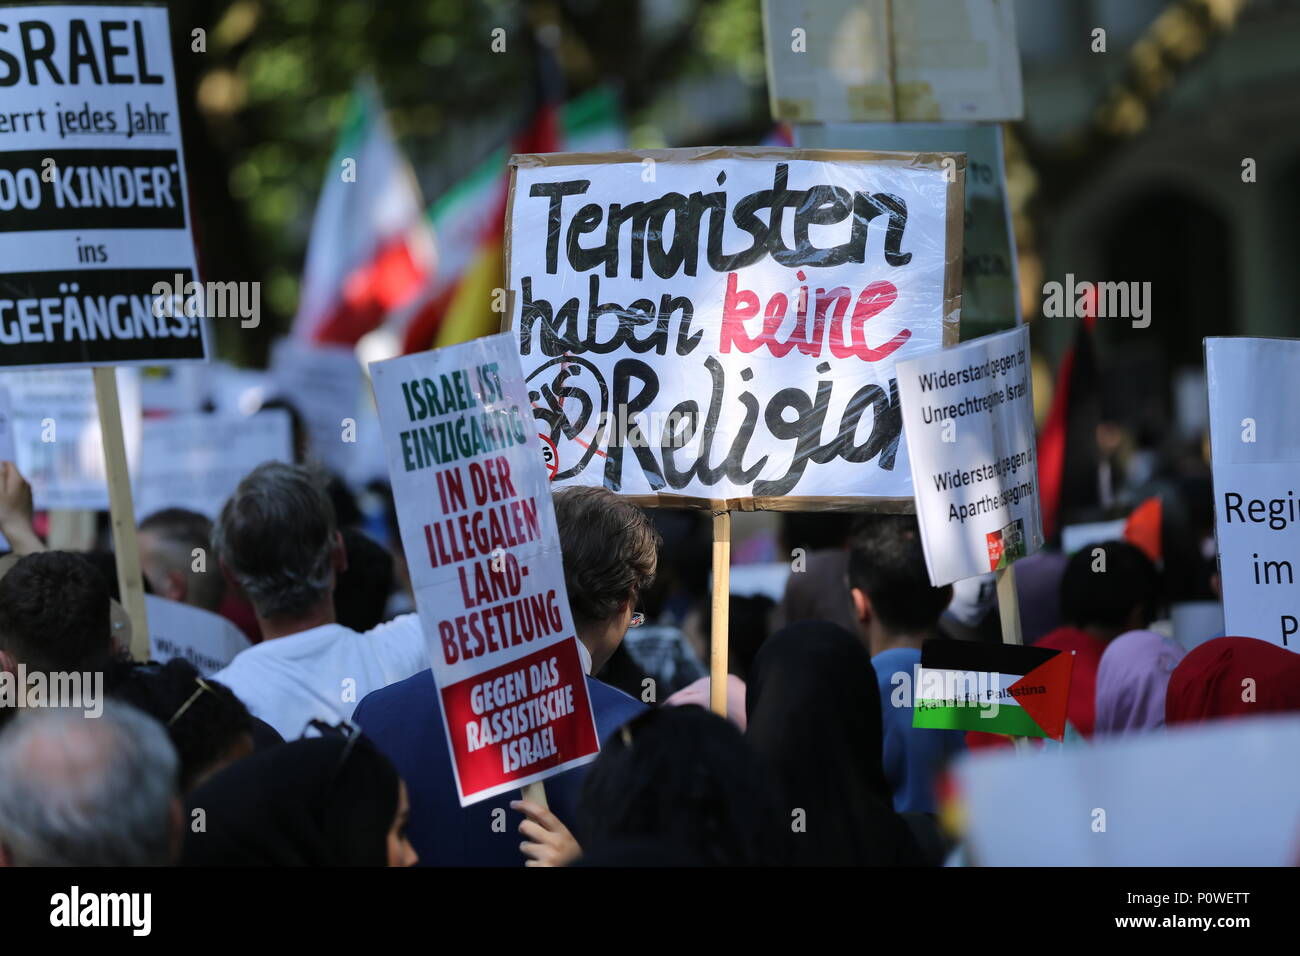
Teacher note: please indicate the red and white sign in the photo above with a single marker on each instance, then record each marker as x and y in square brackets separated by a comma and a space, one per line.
[474, 506]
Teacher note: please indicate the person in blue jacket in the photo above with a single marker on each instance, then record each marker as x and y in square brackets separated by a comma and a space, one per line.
[610, 550]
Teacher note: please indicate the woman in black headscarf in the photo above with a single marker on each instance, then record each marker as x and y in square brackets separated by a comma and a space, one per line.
[321, 801]
[814, 718]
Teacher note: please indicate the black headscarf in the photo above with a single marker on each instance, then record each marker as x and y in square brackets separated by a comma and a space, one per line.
[813, 709]
[311, 802]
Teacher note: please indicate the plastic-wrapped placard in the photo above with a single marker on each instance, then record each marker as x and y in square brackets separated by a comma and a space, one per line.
[718, 328]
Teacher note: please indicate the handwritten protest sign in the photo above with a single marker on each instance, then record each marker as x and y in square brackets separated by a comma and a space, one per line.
[990, 286]
[93, 208]
[1255, 446]
[719, 327]
[969, 417]
[474, 508]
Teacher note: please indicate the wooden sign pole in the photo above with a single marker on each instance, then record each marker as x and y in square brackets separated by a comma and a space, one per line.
[721, 607]
[1009, 605]
[536, 792]
[1009, 613]
[130, 581]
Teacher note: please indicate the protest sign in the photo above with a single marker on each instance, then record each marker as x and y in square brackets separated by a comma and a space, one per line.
[968, 413]
[994, 688]
[93, 206]
[323, 383]
[474, 508]
[859, 61]
[718, 328]
[206, 640]
[990, 286]
[170, 389]
[58, 446]
[1135, 800]
[8, 451]
[1254, 386]
[196, 461]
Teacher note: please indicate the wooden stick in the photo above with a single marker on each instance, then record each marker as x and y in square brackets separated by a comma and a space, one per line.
[721, 607]
[121, 510]
[1009, 605]
[1009, 612]
[891, 66]
[536, 792]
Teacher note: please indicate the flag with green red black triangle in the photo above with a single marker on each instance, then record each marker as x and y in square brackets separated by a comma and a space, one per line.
[994, 688]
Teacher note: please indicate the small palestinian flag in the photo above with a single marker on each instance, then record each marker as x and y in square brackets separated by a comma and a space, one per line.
[995, 688]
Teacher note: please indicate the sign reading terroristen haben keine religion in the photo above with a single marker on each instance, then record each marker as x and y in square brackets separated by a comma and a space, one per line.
[1254, 387]
[474, 507]
[969, 417]
[93, 209]
[722, 325]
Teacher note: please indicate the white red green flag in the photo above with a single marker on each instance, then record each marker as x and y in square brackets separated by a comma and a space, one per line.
[371, 250]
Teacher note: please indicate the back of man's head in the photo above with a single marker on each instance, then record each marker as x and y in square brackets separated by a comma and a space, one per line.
[610, 551]
[81, 791]
[1111, 585]
[54, 614]
[168, 540]
[887, 564]
[276, 536]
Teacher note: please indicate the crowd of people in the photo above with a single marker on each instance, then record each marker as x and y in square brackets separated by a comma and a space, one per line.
[322, 743]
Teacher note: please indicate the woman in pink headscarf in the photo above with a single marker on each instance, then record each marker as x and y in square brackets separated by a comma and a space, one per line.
[1132, 679]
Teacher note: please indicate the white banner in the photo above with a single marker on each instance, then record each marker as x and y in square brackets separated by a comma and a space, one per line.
[723, 324]
[196, 461]
[968, 413]
[57, 437]
[1254, 388]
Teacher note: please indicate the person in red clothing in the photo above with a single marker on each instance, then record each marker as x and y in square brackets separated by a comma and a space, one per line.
[1107, 590]
[1233, 677]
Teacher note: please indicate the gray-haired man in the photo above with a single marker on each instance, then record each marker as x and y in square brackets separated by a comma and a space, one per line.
[276, 539]
[79, 791]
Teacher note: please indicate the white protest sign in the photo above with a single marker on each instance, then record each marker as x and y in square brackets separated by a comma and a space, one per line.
[878, 60]
[8, 451]
[196, 461]
[206, 640]
[93, 207]
[968, 413]
[57, 435]
[722, 325]
[323, 382]
[474, 508]
[1254, 386]
[1222, 793]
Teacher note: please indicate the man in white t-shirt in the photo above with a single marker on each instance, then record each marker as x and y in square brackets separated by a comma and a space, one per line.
[276, 539]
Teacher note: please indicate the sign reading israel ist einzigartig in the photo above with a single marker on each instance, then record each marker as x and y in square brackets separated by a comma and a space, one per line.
[93, 209]
[483, 551]
[721, 325]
